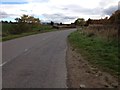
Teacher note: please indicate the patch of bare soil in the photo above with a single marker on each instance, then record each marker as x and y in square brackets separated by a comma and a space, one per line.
[81, 74]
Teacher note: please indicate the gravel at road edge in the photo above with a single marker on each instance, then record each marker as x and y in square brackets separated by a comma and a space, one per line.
[81, 74]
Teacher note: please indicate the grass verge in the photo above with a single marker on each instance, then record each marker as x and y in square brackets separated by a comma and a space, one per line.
[34, 29]
[97, 51]
[10, 37]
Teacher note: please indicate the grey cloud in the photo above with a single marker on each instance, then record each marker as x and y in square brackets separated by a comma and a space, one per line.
[105, 2]
[64, 8]
[5, 15]
[110, 10]
[58, 17]
[24, 10]
[94, 11]
[79, 9]
[88, 11]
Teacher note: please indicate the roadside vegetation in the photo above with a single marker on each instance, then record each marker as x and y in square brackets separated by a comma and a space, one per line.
[26, 25]
[96, 50]
[99, 44]
[7, 35]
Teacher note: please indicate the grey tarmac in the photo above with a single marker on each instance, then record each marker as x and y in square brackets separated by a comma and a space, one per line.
[36, 61]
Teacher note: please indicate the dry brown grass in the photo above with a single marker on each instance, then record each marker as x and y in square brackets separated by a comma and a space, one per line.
[105, 31]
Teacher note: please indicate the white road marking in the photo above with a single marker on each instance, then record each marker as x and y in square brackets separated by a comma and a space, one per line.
[10, 60]
[3, 64]
[26, 50]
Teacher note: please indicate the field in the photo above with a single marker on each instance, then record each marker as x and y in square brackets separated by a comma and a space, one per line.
[100, 49]
[35, 29]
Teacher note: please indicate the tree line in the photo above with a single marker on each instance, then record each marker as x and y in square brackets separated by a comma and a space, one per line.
[23, 24]
[27, 19]
[114, 19]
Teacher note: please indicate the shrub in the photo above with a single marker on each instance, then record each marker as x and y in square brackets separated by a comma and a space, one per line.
[91, 34]
[20, 28]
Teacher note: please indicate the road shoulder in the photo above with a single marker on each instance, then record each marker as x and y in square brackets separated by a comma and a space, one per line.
[81, 74]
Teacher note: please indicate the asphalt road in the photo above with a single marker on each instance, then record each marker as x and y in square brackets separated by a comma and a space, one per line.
[36, 61]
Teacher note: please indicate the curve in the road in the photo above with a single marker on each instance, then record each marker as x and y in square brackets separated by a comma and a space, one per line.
[36, 61]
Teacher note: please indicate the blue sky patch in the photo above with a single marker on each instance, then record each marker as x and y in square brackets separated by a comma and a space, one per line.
[2, 2]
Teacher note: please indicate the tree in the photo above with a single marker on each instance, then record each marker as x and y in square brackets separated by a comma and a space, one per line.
[17, 20]
[11, 22]
[29, 19]
[5, 21]
[36, 20]
[24, 18]
[115, 18]
[52, 23]
[24, 24]
[88, 22]
[61, 23]
[80, 22]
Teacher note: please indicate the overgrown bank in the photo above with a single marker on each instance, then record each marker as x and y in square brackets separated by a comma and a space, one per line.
[25, 25]
[11, 31]
[97, 50]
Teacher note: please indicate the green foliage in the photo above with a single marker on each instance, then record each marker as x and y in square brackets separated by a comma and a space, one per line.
[97, 51]
[52, 23]
[80, 22]
[23, 25]
[45, 27]
[88, 22]
[5, 29]
[20, 28]
[28, 19]
[11, 31]
[9, 37]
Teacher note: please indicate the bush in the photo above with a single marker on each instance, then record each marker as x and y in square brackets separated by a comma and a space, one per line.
[20, 28]
[91, 34]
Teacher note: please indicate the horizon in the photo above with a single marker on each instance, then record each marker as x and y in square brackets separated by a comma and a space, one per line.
[58, 10]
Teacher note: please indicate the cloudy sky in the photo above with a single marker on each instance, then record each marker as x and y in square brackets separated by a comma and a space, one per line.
[65, 11]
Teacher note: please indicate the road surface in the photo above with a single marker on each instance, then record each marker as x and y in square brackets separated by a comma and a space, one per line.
[36, 61]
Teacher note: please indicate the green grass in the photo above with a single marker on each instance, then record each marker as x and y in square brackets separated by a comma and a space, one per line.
[9, 37]
[5, 28]
[97, 51]
[42, 27]
[35, 30]
[0, 39]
